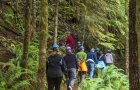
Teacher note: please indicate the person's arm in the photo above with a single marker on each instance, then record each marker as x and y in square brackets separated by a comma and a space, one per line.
[95, 58]
[111, 57]
[76, 62]
[63, 66]
[85, 56]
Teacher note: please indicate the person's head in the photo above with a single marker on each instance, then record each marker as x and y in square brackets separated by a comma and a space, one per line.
[68, 49]
[101, 52]
[109, 51]
[92, 50]
[68, 33]
[79, 43]
[97, 49]
[82, 48]
[55, 47]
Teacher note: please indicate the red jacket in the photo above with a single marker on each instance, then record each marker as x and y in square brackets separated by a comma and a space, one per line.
[70, 41]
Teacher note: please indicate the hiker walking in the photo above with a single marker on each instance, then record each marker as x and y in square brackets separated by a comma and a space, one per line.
[91, 60]
[97, 52]
[109, 58]
[102, 62]
[72, 66]
[82, 70]
[69, 41]
[78, 46]
[55, 67]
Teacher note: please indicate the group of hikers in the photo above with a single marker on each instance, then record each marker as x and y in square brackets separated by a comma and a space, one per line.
[74, 65]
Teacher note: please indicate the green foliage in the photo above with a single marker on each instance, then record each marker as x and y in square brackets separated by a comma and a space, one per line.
[10, 78]
[110, 78]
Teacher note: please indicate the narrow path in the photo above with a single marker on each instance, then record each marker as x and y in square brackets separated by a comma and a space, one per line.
[64, 87]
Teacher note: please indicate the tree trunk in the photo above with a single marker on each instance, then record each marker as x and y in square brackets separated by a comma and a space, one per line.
[56, 22]
[133, 47]
[26, 34]
[43, 44]
[127, 56]
[138, 31]
[33, 28]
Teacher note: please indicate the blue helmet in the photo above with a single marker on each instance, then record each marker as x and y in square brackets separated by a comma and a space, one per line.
[98, 49]
[81, 48]
[68, 48]
[92, 50]
[79, 42]
[101, 52]
[109, 50]
[55, 47]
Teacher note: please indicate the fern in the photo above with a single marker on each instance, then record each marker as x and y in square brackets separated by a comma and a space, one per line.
[110, 78]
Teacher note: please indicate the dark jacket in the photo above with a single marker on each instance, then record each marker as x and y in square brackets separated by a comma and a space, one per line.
[55, 66]
[92, 55]
[98, 55]
[71, 61]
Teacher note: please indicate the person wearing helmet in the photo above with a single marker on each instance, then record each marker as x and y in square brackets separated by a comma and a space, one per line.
[82, 70]
[97, 52]
[91, 60]
[69, 41]
[55, 67]
[109, 57]
[72, 65]
[78, 46]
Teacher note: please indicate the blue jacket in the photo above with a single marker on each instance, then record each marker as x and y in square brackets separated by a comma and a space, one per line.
[92, 55]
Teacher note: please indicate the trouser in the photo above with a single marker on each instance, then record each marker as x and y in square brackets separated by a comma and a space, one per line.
[90, 70]
[71, 77]
[54, 82]
[81, 76]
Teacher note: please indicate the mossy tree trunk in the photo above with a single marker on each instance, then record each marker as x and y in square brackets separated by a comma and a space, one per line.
[127, 57]
[133, 47]
[34, 19]
[26, 33]
[138, 32]
[56, 22]
[43, 44]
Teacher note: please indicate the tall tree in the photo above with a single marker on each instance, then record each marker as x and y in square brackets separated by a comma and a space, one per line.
[138, 31]
[43, 44]
[34, 19]
[26, 33]
[56, 21]
[133, 47]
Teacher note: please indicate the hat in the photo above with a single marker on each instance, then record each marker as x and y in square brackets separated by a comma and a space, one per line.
[92, 50]
[109, 50]
[97, 49]
[55, 47]
[68, 48]
[81, 48]
[79, 42]
[101, 52]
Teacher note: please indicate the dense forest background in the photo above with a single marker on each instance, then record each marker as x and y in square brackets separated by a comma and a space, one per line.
[28, 29]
